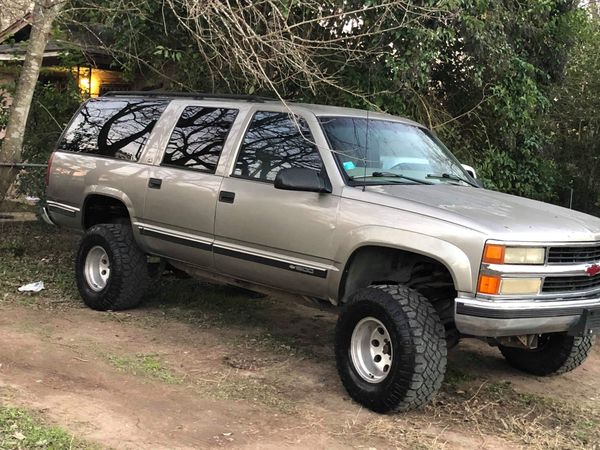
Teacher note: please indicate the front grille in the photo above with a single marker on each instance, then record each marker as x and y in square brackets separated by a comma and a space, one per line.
[574, 255]
[570, 284]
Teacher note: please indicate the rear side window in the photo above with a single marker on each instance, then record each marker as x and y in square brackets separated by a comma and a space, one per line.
[198, 138]
[276, 141]
[114, 128]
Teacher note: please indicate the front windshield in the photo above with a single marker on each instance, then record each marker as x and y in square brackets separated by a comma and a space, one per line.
[386, 152]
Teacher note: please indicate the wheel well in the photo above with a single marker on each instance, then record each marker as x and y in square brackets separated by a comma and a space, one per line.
[103, 209]
[381, 265]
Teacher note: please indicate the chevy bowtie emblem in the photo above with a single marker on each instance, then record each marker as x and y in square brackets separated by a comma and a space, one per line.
[593, 270]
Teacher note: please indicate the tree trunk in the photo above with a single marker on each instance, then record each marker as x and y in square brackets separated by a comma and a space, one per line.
[44, 13]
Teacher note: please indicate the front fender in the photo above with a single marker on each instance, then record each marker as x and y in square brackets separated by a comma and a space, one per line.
[452, 257]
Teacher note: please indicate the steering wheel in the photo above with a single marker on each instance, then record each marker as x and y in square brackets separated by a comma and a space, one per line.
[397, 166]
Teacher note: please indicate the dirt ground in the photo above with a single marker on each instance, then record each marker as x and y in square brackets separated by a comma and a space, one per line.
[200, 366]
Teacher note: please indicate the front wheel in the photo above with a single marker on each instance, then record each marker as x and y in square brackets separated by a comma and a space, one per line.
[111, 271]
[390, 348]
[556, 353]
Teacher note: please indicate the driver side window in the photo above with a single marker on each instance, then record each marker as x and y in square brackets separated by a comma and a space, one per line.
[275, 141]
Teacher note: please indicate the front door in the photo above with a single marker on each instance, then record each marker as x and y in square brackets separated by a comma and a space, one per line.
[270, 236]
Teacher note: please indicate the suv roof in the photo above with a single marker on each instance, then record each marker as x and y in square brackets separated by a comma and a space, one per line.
[317, 109]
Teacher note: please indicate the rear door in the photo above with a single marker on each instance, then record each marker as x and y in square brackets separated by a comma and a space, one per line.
[270, 236]
[182, 190]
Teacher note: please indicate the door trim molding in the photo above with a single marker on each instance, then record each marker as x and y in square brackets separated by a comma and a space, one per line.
[177, 238]
[220, 249]
[272, 262]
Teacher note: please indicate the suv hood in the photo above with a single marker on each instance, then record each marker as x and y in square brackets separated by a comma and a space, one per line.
[501, 216]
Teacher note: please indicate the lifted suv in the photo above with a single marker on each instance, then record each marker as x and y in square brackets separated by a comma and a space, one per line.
[365, 210]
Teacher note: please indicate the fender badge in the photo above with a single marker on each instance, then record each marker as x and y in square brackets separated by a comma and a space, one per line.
[593, 270]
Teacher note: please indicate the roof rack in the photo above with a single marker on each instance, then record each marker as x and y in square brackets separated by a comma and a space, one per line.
[194, 95]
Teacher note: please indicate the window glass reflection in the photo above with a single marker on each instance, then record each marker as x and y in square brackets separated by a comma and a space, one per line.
[198, 138]
[116, 128]
[367, 147]
[276, 141]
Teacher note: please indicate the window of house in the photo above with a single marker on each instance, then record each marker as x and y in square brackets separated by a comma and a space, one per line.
[115, 128]
[276, 141]
[198, 138]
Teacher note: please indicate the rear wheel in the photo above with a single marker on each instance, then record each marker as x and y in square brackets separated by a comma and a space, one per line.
[111, 271]
[390, 348]
[556, 353]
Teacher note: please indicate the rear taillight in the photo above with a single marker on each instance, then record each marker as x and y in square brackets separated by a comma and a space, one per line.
[49, 168]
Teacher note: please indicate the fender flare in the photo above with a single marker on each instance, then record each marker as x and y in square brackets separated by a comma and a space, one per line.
[107, 191]
[449, 255]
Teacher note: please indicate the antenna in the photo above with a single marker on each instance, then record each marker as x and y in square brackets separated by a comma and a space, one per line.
[364, 186]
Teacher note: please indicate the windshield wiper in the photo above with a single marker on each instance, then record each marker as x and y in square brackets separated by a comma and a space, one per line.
[390, 175]
[452, 177]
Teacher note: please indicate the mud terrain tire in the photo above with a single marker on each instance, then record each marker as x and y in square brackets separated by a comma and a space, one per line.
[128, 275]
[557, 353]
[418, 348]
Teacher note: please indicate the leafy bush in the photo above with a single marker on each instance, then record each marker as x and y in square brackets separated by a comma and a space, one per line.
[51, 109]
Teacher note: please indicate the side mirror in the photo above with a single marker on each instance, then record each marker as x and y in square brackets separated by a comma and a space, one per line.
[301, 179]
[470, 170]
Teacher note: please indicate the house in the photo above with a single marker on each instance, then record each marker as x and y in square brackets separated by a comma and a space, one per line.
[93, 69]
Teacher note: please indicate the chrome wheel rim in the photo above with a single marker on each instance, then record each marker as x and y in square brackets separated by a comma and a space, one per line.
[371, 350]
[97, 268]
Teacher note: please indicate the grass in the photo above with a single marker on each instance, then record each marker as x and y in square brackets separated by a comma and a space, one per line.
[474, 407]
[220, 385]
[10, 206]
[20, 429]
[33, 251]
[206, 305]
[149, 366]
[456, 377]
[496, 408]
[233, 386]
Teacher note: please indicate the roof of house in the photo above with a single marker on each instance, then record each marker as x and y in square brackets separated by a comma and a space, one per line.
[15, 51]
[16, 26]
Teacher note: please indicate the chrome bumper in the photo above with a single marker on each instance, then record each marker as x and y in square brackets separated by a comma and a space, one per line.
[495, 318]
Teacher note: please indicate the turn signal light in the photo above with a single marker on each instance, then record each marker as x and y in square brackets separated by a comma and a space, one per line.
[493, 254]
[488, 284]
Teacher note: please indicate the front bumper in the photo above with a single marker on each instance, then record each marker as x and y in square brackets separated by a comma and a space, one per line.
[495, 318]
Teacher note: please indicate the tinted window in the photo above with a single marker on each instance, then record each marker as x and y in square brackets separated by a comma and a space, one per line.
[276, 141]
[117, 128]
[198, 138]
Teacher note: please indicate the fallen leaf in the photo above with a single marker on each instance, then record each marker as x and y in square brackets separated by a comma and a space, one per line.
[18, 435]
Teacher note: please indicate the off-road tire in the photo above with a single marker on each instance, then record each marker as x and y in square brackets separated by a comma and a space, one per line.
[129, 276]
[559, 353]
[418, 348]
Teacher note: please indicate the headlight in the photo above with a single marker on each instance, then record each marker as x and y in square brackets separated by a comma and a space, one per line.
[501, 254]
[494, 285]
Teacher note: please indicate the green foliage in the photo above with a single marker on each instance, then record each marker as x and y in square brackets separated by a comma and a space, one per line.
[145, 365]
[51, 109]
[574, 122]
[3, 108]
[20, 430]
[497, 80]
